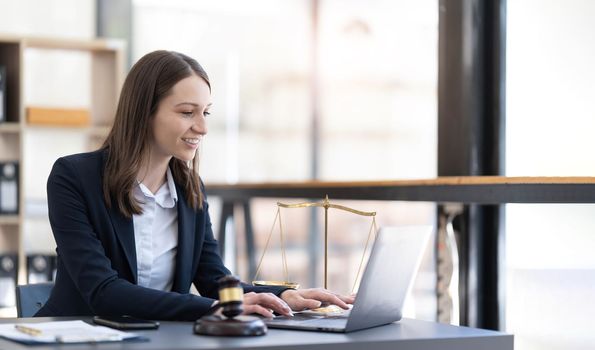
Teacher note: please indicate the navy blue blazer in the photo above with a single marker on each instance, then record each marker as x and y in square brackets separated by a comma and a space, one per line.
[97, 257]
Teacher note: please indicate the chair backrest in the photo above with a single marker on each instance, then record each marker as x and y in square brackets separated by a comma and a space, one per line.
[31, 297]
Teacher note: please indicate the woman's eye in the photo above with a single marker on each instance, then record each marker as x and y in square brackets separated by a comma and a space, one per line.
[206, 114]
[188, 114]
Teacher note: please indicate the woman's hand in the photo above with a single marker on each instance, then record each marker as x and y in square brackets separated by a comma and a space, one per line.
[264, 304]
[303, 299]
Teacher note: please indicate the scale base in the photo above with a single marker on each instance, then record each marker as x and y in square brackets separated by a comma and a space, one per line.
[292, 285]
[239, 326]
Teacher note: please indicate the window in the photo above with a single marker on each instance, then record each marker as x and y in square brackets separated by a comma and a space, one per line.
[550, 122]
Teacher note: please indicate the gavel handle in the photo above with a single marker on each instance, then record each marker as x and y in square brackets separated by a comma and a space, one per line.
[213, 309]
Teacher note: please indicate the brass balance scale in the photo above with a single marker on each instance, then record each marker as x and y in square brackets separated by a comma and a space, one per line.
[326, 204]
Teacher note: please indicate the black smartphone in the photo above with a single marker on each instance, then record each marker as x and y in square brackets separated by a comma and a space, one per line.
[125, 322]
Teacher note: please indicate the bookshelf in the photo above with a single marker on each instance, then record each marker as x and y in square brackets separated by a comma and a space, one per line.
[28, 85]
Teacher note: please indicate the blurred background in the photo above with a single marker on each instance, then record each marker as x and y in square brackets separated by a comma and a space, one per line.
[339, 90]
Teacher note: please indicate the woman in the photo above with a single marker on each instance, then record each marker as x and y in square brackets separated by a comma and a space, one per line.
[131, 221]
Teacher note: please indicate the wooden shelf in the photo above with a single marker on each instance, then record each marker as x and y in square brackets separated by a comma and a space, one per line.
[15, 128]
[9, 219]
[65, 44]
[10, 127]
[92, 129]
[23, 56]
[68, 44]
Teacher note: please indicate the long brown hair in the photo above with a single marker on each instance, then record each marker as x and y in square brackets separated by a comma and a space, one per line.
[129, 141]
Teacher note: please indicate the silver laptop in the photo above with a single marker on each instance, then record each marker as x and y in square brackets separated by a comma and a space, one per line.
[389, 274]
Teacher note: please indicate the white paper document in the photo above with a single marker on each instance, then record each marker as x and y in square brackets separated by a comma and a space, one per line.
[62, 332]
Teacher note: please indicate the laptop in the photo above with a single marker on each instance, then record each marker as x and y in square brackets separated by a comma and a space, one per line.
[389, 274]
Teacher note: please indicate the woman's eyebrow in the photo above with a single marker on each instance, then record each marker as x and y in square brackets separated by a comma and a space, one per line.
[192, 103]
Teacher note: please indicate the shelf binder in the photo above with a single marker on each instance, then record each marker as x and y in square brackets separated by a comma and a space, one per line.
[2, 93]
[8, 278]
[41, 268]
[9, 188]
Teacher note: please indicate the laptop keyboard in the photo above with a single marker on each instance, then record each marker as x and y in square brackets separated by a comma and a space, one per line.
[310, 320]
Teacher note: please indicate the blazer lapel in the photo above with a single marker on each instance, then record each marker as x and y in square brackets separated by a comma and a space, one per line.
[185, 252]
[124, 229]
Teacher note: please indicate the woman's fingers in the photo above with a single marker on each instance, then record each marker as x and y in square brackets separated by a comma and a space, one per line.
[267, 301]
[305, 304]
[325, 297]
[273, 302]
[257, 309]
[348, 299]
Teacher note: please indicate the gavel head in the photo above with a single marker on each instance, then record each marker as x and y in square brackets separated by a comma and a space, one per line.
[231, 296]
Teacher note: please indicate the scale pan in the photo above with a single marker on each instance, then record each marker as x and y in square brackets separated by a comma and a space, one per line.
[293, 285]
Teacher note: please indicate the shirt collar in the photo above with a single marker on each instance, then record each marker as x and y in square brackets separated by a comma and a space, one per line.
[172, 185]
[166, 195]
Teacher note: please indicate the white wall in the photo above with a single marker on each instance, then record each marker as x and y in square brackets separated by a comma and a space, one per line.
[54, 18]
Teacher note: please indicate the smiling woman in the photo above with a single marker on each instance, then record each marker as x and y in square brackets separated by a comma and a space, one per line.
[131, 220]
[151, 120]
[179, 123]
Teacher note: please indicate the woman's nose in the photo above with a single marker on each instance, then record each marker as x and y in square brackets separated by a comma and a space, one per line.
[200, 126]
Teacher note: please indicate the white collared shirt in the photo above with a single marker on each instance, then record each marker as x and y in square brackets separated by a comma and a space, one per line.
[156, 235]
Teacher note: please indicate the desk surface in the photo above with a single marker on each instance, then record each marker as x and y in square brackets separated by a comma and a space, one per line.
[407, 334]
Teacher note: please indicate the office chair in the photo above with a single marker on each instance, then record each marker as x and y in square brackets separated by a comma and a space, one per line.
[31, 297]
